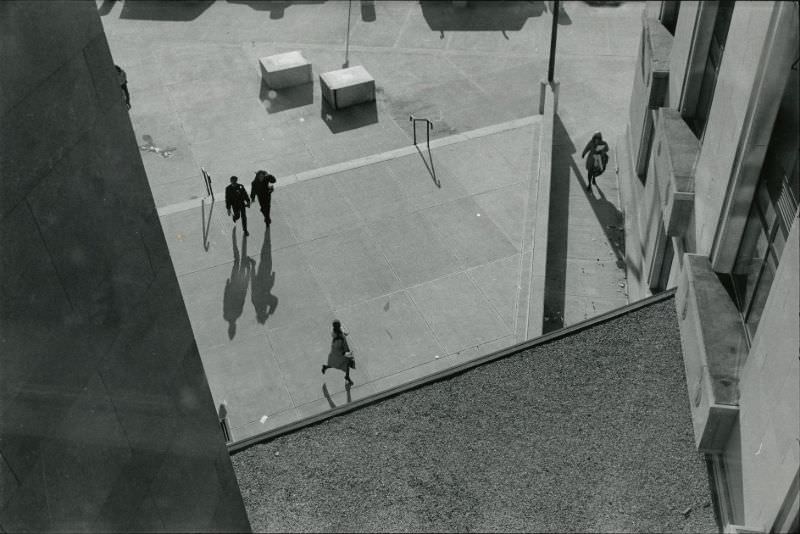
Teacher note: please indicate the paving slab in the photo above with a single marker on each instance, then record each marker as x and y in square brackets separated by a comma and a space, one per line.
[415, 176]
[375, 192]
[185, 230]
[506, 208]
[301, 348]
[469, 235]
[317, 208]
[350, 267]
[414, 249]
[246, 377]
[479, 170]
[499, 282]
[459, 314]
[390, 334]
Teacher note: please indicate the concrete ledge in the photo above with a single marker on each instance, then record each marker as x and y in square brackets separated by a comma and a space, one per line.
[447, 373]
[714, 350]
[347, 87]
[674, 156]
[285, 70]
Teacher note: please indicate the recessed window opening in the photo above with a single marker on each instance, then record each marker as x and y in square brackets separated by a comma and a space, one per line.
[771, 215]
[722, 23]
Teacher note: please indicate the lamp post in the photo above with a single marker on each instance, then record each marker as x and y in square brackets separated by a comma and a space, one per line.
[553, 34]
[347, 42]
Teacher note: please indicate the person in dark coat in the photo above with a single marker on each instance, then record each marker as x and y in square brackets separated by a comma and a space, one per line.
[122, 78]
[340, 356]
[597, 160]
[236, 198]
[262, 189]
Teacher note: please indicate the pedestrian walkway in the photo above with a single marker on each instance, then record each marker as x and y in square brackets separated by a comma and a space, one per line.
[421, 276]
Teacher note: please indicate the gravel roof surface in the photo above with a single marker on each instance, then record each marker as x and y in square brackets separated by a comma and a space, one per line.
[591, 432]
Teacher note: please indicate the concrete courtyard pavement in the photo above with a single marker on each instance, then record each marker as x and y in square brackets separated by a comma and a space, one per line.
[421, 276]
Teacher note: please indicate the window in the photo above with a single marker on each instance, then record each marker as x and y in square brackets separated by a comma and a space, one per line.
[722, 22]
[669, 14]
[765, 234]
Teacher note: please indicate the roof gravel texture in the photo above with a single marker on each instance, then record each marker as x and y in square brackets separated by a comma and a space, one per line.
[587, 433]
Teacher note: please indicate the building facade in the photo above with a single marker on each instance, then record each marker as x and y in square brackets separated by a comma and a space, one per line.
[710, 188]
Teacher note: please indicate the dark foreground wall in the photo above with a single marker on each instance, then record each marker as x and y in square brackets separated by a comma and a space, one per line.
[106, 419]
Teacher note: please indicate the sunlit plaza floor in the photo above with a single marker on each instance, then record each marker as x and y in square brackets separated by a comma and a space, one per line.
[418, 253]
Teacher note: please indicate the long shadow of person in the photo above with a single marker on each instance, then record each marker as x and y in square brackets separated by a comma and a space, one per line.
[236, 285]
[264, 301]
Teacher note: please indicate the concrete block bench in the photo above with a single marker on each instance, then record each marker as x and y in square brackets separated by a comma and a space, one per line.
[346, 87]
[285, 70]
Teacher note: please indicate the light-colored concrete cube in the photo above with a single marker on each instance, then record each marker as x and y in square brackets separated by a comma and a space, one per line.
[285, 70]
[346, 87]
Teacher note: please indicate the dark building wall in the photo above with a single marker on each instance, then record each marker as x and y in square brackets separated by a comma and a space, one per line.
[106, 419]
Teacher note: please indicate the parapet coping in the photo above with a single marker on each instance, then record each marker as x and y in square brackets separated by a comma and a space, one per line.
[283, 181]
[447, 373]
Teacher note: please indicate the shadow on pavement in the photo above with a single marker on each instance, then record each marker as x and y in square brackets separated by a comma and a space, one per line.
[431, 168]
[206, 221]
[328, 397]
[368, 10]
[608, 217]
[563, 16]
[160, 10]
[349, 118]
[479, 16]
[105, 9]
[557, 229]
[236, 285]
[277, 8]
[264, 302]
[277, 100]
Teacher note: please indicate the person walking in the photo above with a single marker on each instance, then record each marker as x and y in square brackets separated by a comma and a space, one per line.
[596, 163]
[236, 198]
[122, 78]
[262, 189]
[340, 356]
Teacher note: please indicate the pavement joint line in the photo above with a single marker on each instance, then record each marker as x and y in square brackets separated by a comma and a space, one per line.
[368, 160]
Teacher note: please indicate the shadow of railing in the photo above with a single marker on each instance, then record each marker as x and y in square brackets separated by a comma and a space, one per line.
[206, 221]
[430, 167]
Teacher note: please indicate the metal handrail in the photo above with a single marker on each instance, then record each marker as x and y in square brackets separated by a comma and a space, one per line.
[207, 182]
[429, 127]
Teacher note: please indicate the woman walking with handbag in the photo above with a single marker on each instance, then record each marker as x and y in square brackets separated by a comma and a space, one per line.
[340, 357]
[596, 163]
